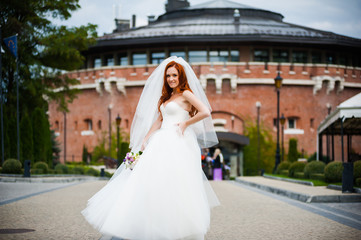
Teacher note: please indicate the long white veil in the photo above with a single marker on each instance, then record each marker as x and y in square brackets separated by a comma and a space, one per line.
[147, 109]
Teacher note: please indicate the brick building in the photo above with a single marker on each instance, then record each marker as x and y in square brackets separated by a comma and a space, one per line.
[236, 52]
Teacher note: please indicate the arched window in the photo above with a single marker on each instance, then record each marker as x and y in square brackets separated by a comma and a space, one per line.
[88, 124]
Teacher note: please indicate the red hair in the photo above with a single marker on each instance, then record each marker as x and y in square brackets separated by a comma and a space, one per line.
[182, 86]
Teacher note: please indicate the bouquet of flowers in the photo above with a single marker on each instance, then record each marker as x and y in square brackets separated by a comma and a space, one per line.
[131, 159]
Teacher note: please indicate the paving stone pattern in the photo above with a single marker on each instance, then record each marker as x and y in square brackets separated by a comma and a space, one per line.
[243, 214]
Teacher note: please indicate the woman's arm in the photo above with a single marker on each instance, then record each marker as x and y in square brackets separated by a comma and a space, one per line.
[156, 125]
[202, 113]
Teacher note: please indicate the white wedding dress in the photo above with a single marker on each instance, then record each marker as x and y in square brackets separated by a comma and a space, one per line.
[165, 196]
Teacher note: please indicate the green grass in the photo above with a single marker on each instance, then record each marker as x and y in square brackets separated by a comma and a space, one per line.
[315, 182]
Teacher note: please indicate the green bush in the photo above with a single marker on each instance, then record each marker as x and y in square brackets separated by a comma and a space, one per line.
[314, 167]
[317, 176]
[284, 172]
[292, 150]
[299, 175]
[358, 182]
[283, 166]
[92, 172]
[108, 174]
[41, 165]
[36, 171]
[61, 169]
[77, 170]
[11, 166]
[357, 169]
[333, 172]
[296, 167]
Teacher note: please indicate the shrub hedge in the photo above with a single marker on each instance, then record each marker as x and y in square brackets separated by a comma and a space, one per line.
[41, 165]
[77, 170]
[61, 169]
[357, 169]
[284, 172]
[11, 166]
[36, 171]
[314, 167]
[296, 167]
[92, 172]
[317, 176]
[299, 175]
[358, 182]
[333, 172]
[285, 165]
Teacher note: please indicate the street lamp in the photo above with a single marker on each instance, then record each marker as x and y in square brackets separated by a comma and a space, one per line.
[110, 128]
[258, 105]
[118, 120]
[283, 120]
[278, 84]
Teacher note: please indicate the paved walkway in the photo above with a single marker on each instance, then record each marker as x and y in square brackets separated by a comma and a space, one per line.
[299, 192]
[245, 213]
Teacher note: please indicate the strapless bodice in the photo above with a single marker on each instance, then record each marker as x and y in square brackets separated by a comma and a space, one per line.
[172, 114]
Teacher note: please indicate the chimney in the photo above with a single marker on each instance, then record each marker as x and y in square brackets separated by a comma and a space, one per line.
[236, 16]
[173, 5]
[133, 21]
[151, 19]
[121, 25]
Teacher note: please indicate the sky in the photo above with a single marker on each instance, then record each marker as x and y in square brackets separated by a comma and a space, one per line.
[338, 16]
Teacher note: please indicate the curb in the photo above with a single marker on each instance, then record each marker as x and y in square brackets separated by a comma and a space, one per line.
[66, 179]
[303, 197]
[290, 180]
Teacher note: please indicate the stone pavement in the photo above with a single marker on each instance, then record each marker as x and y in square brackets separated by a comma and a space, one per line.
[245, 213]
[299, 192]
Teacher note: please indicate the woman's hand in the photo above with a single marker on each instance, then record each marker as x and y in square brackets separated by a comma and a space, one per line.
[182, 127]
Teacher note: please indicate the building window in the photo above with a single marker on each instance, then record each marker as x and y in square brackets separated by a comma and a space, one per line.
[56, 126]
[123, 59]
[109, 60]
[157, 57]
[280, 55]
[316, 57]
[312, 120]
[126, 123]
[88, 124]
[97, 62]
[343, 60]
[330, 58]
[261, 55]
[76, 125]
[275, 122]
[139, 58]
[299, 57]
[99, 124]
[197, 56]
[234, 56]
[291, 123]
[181, 54]
[218, 56]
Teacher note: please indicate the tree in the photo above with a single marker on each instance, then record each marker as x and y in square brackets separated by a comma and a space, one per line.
[55, 148]
[85, 154]
[26, 144]
[267, 150]
[41, 136]
[44, 52]
[292, 150]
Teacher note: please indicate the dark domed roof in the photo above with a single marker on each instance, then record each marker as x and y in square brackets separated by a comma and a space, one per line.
[215, 21]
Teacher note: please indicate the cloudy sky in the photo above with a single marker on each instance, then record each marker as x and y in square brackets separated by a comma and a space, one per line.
[338, 16]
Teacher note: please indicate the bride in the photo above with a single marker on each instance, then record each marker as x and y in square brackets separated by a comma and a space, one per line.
[166, 195]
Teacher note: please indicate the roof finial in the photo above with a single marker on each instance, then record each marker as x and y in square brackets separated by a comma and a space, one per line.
[236, 16]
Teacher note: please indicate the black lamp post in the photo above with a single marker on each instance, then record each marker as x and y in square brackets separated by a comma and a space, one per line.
[282, 120]
[258, 105]
[278, 84]
[118, 120]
